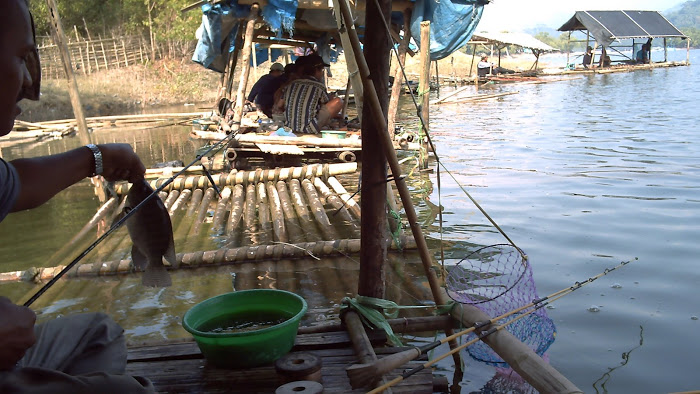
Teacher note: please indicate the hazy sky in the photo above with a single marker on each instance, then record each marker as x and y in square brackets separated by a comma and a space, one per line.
[517, 15]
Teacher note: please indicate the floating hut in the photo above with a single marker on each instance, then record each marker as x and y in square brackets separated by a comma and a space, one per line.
[622, 33]
[501, 40]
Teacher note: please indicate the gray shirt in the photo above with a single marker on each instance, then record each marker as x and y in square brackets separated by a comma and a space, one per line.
[9, 188]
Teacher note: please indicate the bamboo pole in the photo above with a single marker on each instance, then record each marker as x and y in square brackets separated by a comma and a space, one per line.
[301, 210]
[59, 40]
[424, 89]
[263, 214]
[221, 209]
[251, 225]
[245, 67]
[202, 212]
[278, 224]
[294, 230]
[170, 200]
[318, 211]
[386, 142]
[398, 75]
[344, 28]
[349, 202]
[181, 201]
[237, 203]
[338, 208]
[244, 177]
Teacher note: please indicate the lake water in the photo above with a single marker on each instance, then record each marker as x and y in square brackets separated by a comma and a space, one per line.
[581, 174]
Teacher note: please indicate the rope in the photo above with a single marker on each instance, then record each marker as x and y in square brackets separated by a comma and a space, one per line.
[375, 311]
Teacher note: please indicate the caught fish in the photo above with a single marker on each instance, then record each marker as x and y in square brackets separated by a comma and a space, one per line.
[151, 232]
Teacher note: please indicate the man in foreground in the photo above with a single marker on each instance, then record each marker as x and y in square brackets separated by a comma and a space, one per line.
[83, 353]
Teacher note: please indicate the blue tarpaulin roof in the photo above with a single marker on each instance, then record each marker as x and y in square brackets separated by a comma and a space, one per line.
[452, 24]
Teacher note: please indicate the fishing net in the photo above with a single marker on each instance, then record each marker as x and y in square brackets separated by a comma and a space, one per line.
[498, 279]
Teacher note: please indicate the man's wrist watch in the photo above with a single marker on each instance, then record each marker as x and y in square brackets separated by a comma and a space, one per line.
[98, 158]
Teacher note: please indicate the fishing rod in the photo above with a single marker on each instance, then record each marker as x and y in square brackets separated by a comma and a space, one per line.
[362, 375]
[126, 216]
[459, 348]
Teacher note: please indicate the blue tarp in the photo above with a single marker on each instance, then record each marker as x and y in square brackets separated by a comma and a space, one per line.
[452, 23]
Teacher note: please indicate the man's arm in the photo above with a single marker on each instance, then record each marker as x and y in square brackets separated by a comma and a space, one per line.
[43, 177]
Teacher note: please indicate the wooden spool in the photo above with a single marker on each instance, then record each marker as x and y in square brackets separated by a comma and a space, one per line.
[299, 366]
[300, 387]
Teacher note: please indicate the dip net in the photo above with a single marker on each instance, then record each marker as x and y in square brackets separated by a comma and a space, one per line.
[498, 279]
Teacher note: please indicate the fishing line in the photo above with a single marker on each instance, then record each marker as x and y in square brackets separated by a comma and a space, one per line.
[121, 221]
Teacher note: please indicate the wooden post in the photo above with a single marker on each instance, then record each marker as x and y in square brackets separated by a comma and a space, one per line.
[227, 83]
[82, 60]
[116, 53]
[665, 51]
[350, 57]
[424, 89]
[385, 140]
[104, 55]
[245, 66]
[126, 58]
[398, 74]
[59, 40]
[472, 66]
[374, 237]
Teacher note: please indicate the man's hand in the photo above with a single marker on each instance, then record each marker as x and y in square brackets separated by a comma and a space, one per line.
[121, 163]
[16, 332]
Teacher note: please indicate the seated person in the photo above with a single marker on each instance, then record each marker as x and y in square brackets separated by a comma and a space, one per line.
[264, 89]
[308, 107]
[290, 74]
[588, 58]
[484, 67]
[644, 54]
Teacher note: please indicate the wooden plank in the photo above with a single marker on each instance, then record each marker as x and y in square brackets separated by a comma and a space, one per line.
[196, 376]
[188, 349]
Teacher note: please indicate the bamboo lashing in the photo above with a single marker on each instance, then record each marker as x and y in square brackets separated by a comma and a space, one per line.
[244, 177]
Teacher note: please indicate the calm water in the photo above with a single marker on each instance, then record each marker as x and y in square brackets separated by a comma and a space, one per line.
[584, 174]
[581, 174]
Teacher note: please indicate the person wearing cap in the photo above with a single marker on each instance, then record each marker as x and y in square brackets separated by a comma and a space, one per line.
[78, 353]
[307, 105]
[262, 93]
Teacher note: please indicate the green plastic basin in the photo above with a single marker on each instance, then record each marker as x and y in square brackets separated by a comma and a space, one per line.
[245, 349]
[334, 134]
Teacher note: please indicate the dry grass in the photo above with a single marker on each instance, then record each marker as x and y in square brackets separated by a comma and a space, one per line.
[125, 90]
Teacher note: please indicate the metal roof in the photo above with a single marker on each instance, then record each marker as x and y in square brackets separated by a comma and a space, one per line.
[609, 26]
[520, 39]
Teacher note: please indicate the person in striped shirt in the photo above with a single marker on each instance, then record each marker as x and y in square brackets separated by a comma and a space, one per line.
[308, 106]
